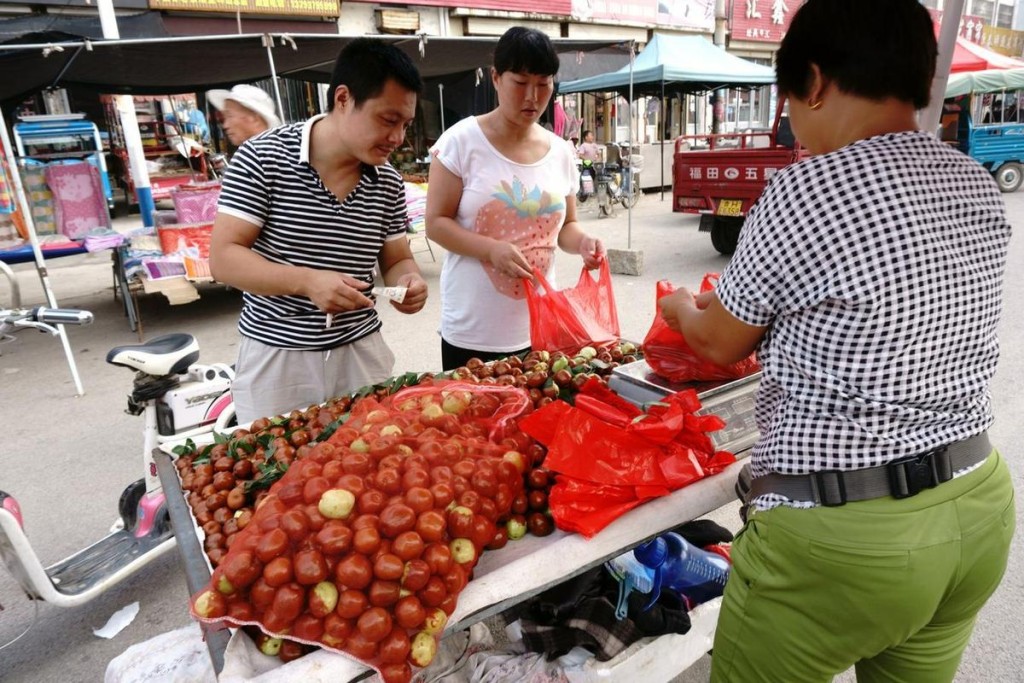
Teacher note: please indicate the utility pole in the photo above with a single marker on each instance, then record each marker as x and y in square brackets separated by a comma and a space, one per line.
[129, 126]
[718, 111]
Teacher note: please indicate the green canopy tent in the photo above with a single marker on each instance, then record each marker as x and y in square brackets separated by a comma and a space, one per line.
[676, 65]
[989, 80]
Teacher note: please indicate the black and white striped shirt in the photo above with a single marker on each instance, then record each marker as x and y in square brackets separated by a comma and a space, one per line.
[879, 271]
[271, 184]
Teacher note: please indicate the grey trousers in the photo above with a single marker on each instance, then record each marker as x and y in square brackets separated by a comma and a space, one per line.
[270, 381]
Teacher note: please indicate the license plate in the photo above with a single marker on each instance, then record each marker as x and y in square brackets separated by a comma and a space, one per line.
[730, 207]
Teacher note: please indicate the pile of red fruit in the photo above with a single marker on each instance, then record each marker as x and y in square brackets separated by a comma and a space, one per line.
[365, 543]
[226, 481]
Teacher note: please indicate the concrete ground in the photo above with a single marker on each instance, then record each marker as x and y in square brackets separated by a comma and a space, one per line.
[67, 458]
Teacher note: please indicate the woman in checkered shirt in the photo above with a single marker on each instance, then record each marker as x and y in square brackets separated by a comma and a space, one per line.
[869, 279]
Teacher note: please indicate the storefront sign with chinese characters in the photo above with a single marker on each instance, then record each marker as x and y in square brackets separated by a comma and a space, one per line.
[309, 8]
[762, 20]
[1003, 40]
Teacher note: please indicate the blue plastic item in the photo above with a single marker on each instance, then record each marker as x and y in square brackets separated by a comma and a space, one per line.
[632, 576]
[680, 566]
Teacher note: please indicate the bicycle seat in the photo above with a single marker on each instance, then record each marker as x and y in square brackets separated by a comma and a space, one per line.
[170, 354]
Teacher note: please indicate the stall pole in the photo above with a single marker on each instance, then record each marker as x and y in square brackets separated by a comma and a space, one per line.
[662, 140]
[930, 115]
[268, 42]
[629, 167]
[440, 97]
[7, 152]
[125, 105]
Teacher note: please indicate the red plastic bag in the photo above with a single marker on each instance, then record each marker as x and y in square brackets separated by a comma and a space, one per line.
[570, 319]
[668, 354]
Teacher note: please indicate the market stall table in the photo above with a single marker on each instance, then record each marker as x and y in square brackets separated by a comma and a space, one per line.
[506, 577]
[511, 575]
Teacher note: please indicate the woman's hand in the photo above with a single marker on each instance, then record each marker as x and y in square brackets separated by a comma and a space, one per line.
[672, 305]
[508, 260]
[592, 251]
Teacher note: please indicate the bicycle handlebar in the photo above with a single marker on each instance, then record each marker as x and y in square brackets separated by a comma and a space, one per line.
[61, 316]
[40, 315]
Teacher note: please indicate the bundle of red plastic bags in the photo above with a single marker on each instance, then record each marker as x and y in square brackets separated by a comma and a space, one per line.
[610, 456]
[364, 545]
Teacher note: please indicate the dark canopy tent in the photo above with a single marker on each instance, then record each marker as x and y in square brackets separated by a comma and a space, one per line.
[171, 65]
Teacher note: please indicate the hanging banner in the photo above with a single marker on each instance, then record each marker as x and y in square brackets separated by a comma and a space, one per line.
[289, 8]
[763, 21]
[972, 26]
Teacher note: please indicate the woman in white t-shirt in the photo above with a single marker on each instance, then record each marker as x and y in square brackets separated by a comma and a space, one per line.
[501, 196]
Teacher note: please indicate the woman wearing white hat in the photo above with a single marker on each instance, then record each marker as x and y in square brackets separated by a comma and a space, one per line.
[246, 110]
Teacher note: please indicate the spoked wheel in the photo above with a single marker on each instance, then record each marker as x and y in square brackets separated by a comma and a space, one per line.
[604, 200]
[725, 234]
[631, 199]
[1009, 176]
[20, 611]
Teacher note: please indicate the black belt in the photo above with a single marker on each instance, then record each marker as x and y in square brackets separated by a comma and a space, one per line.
[900, 478]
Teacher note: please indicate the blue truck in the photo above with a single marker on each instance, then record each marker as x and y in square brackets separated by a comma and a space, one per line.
[984, 117]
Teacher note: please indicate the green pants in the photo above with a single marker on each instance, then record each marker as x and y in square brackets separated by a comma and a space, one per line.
[891, 586]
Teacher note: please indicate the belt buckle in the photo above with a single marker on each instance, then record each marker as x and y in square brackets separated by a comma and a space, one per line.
[820, 486]
[909, 476]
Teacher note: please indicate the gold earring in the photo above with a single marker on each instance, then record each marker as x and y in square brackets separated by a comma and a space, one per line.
[816, 105]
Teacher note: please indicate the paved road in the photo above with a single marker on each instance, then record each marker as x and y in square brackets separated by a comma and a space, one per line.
[67, 459]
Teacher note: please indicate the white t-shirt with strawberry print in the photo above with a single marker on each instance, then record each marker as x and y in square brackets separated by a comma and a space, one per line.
[524, 204]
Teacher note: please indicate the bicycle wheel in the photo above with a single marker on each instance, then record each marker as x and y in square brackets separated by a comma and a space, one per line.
[631, 199]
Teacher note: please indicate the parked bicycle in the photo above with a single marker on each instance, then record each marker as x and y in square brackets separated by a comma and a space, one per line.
[178, 399]
[587, 179]
[619, 183]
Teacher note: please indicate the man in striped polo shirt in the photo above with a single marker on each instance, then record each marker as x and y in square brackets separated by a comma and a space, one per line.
[306, 212]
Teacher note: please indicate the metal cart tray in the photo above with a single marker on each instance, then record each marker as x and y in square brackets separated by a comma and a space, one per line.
[731, 400]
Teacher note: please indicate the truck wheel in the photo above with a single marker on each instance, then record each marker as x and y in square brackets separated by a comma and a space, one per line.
[1009, 176]
[725, 233]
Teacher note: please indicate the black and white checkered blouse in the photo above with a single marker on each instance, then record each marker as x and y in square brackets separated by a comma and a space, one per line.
[878, 269]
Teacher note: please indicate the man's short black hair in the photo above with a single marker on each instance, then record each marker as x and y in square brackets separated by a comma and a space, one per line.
[871, 48]
[524, 50]
[366, 64]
